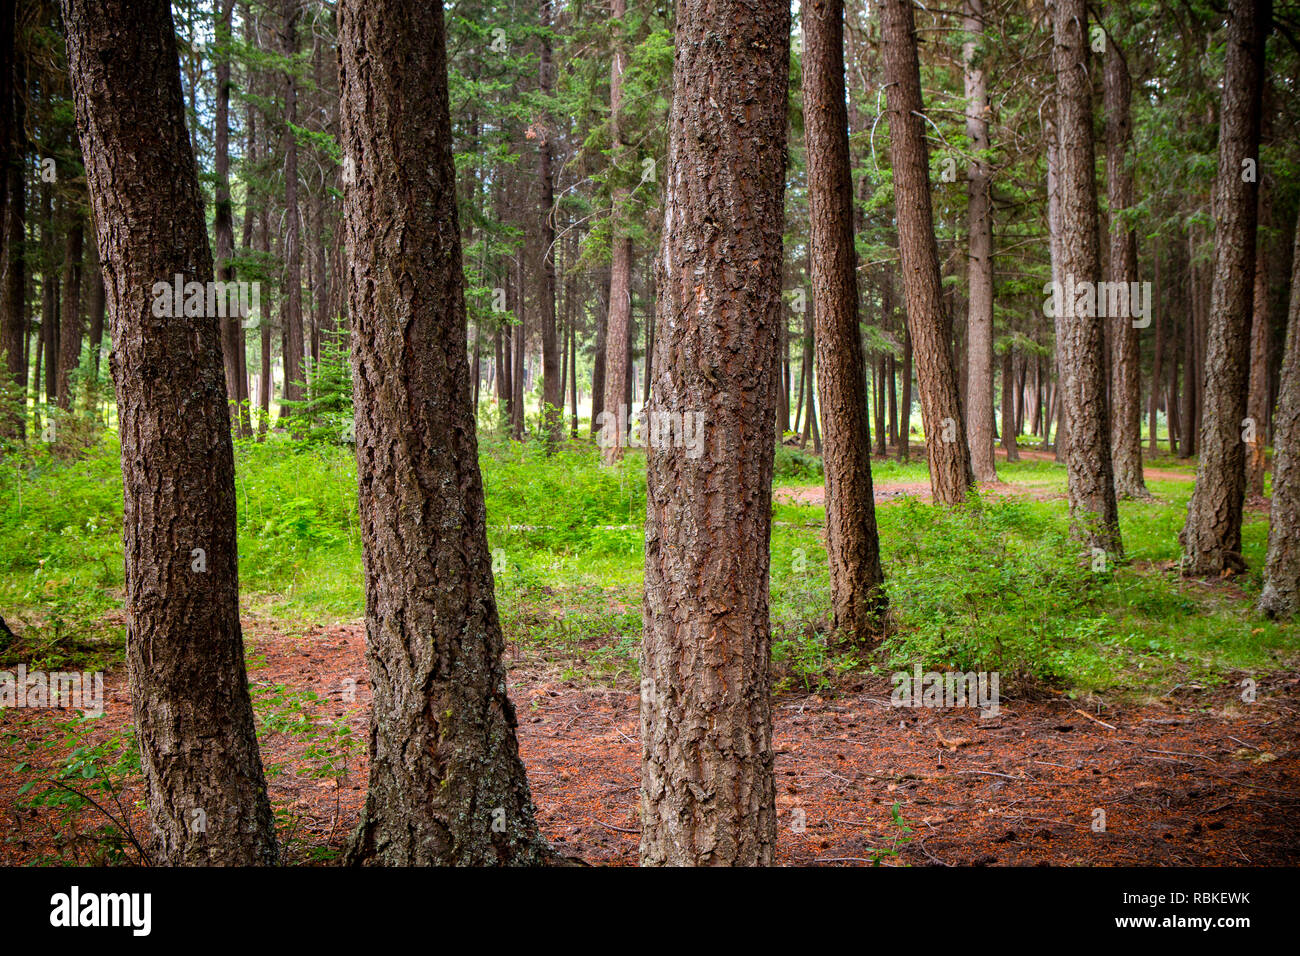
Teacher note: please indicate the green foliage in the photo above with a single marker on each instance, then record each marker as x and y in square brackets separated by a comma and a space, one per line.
[85, 781]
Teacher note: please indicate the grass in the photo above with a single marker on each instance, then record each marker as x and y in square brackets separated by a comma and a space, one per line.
[996, 585]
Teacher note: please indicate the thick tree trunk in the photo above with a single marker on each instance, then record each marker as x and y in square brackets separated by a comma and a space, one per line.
[941, 411]
[1090, 480]
[852, 542]
[446, 782]
[979, 318]
[1126, 357]
[193, 719]
[1281, 595]
[1211, 538]
[707, 795]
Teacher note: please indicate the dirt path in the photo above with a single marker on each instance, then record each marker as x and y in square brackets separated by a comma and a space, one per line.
[1201, 779]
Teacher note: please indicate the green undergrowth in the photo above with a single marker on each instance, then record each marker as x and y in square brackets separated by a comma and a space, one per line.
[998, 584]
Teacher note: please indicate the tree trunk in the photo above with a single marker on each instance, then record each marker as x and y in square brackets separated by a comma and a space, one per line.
[1281, 595]
[615, 369]
[1191, 367]
[13, 216]
[1257, 404]
[204, 787]
[941, 411]
[707, 793]
[979, 318]
[1211, 538]
[1009, 427]
[223, 221]
[71, 329]
[552, 396]
[1126, 358]
[1157, 361]
[49, 295]
[291, 314]
[446, 782]
[852, 542]
[520, 339]
[905, 425]
[1090, 480]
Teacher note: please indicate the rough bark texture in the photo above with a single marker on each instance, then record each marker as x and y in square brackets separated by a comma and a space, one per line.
[1211, 538]
[1126, 358]
[707, 789]
[941, 411]
[446, 782]
[852, 542]
[1090, 480]
[204, 786]
[979, 318]
[1281, 595]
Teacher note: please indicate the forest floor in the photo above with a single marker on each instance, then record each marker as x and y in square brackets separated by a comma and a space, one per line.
[1196, 778]
[1124, 734]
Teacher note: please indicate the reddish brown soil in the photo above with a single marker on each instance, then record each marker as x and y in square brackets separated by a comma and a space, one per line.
[1201, 778]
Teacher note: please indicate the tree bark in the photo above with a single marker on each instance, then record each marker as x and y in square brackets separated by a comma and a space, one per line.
[204, 786]
[941, 411]
[1281, 595]
[1211, 538]
[852, 541]
[1126, 358]
[1257, 404]
[446, 782]
[1090, 480]
[707, 794]
[979, 318]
